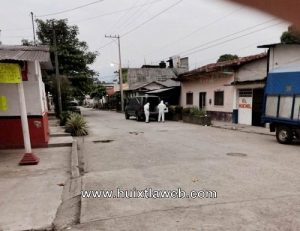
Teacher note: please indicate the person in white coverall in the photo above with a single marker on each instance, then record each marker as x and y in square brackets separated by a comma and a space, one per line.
[161, 111]
[146, 111]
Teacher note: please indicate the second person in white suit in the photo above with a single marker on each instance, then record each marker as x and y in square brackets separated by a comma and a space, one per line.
[161, 111]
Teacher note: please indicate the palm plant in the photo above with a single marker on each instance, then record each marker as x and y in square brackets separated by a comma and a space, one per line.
[76, 125]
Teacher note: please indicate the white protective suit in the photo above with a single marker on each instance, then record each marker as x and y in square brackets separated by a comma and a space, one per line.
[161, 111]
[147, 112]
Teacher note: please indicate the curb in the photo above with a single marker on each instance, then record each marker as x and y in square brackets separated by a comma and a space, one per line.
[239, 130]
[74, 161]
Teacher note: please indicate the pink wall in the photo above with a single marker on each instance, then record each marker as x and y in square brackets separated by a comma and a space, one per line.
[210, 85]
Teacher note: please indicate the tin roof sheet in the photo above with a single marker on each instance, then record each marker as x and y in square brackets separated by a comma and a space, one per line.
[26, 53]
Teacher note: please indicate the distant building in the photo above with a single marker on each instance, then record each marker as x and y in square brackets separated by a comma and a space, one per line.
[157, 79]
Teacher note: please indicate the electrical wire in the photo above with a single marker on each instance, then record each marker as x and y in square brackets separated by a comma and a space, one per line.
[221, 38]
[123, 17]
[224, 37]
[229, 40]
[135, 17]
[229, 35]
[115, 12]
[153, 17]
[145, 22]
[200, 28]
[69, 10]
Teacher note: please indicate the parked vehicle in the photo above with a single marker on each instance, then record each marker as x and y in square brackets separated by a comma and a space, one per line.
[282, 105]
[135, 107]
[73, 107]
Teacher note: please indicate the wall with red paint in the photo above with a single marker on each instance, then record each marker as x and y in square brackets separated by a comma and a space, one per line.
[11, 132]
[10, 122]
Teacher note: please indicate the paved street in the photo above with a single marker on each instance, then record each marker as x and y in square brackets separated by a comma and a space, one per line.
[256, 179]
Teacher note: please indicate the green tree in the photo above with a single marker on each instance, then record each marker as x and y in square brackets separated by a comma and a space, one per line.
[98, 91]
[26, 42]
[227, 57]
[74, 56]
[292, 35]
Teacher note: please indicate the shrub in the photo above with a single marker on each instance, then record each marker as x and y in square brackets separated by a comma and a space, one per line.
[172, 109]
[64, 117]
[186, 111]
[194, 111]
[76, 125]
[178, 109]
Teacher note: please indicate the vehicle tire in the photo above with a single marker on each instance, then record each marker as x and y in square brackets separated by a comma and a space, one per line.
[138, 118]
[126, 116]
[284, 135]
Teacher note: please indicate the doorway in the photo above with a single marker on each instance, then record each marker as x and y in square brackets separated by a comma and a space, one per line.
[202, 100]
[258, 96]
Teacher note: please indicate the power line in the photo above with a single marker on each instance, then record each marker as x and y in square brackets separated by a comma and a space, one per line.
[123, 16]
[143, 23]
[226, 36]
[88, 19]
[229, 40]
[134, 17]
[115, 12]
[153, 17]
[68, 10]
[200, 28]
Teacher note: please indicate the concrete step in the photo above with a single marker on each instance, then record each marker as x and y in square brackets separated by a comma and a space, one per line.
[64, 141]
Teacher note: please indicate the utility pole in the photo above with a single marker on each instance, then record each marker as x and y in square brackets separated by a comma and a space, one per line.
[120, 68]
[33, 29]
[57, 71]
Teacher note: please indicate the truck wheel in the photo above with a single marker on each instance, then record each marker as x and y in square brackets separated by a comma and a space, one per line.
[126, 116]
[284, 135]
[138, 118]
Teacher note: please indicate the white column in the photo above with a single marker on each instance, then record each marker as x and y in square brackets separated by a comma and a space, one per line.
[24, 119]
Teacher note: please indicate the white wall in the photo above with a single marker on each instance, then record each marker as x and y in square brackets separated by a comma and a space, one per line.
[284, 56]
[256, 70]
[209, 85]
[34, 93]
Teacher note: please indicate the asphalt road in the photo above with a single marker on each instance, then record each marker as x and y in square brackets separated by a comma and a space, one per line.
[256, 179]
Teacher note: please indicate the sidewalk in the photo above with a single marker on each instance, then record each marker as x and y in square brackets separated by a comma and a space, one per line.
[31, 195]
[242, 128]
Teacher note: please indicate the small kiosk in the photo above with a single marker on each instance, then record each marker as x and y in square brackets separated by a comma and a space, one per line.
[23, 104]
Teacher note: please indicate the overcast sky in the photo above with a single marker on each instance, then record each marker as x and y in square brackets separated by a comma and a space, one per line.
[151, 30]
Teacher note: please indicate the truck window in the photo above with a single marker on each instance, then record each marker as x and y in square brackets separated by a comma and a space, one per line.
[296, 115]
[271, 106]
[285, 108]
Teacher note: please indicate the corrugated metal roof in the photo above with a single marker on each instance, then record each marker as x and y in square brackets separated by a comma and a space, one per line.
[167, 83]
[213, 67]
[159, 90]
[26, 53]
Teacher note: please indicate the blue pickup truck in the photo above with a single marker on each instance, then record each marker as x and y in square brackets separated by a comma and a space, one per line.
[282, 105]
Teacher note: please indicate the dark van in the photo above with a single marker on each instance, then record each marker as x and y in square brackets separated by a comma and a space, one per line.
[135, 107]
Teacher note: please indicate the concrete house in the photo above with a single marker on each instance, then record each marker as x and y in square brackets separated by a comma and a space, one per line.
[282, 56]
[249, 86]
[157, 79]
[30, 59]
[214, 87]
